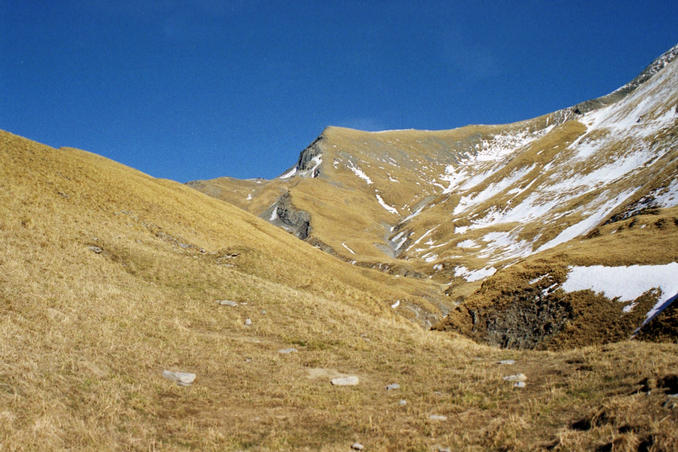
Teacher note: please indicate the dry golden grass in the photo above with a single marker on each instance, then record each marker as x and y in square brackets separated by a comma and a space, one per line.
[86, 336]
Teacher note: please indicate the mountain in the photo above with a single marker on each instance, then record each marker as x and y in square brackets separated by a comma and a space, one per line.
[465, 207]
[112, 281]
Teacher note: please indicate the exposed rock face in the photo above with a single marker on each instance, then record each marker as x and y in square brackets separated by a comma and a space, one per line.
[309, 157]
[286, 216]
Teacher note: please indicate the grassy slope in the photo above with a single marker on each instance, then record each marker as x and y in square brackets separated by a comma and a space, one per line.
[86, 336]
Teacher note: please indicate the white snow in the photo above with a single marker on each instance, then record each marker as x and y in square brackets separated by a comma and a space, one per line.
[667, 197]
[474, 275]
[491, 190]
[536, 280]
[274, 214]
[604, 175]
[452, 177]
[468, 243]
[392, 179]
[626, 283]
[399, 239]
[316, 161]
[346, 246]
[587, 223]
[460, 229]
[414, 214]
[249, 196]
[386, 206]
[532, 207]
[289, 174]
[358, 172]
[430, 257]
[504, 245]
[396, 304]
[423, 236]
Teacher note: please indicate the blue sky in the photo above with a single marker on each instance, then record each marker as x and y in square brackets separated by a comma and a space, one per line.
[201, 89]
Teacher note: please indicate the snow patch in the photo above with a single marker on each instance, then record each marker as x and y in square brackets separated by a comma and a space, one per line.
[289, 174]
[346, 246]
[468, 243]
[627, 283]
[588, 223]
[358, 172]
[491, 190]
[474, 275]
[386, 206]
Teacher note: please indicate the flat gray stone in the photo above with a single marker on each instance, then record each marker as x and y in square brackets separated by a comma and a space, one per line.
[180, 378]
[516, 377]
[507, 362]
[285, 351]
[357, 446]
[519, 384]
[248, 322]
[437, 417]
[351, 380]
[227, 303]
[402, 402]
[392, 386]
[96, 249]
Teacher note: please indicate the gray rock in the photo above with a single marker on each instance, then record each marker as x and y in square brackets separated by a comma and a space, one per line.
[507, 362]
[519, 384]
[227, 303]
[516, 377]
[357, 446]
[351, 380]
[180, 378]
[288, 350]
[402, 402]
[392, 386]
[283, 214]
[248, 322]
[96, 249]
[437, 417]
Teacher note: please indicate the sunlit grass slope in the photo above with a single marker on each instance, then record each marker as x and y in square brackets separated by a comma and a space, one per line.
[108, 277]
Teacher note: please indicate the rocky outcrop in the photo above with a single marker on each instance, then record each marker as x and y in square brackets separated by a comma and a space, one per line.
[309, 157]
[283, 214]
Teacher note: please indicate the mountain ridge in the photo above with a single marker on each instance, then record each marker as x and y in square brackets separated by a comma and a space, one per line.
[138, 313]
[459, 205]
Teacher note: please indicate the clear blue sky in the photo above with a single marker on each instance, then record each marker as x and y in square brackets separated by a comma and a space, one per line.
[199, 89]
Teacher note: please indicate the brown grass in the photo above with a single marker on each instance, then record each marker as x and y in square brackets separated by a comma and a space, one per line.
[86, 336]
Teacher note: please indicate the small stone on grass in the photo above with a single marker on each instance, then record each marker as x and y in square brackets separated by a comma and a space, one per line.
[519, 384]
[392, 386]
[180, 378]
[285, 351]
[357, 446]
[227, 303]
[437, 417]
[516, 377]
[507, 362]
[345, 381]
